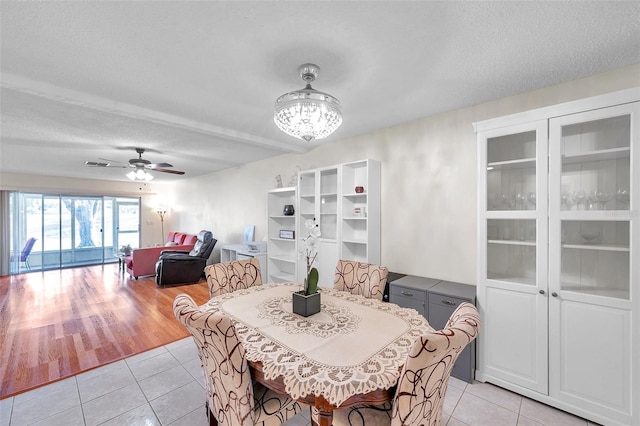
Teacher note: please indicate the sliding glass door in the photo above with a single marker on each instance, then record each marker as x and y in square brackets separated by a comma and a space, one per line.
[70, 230]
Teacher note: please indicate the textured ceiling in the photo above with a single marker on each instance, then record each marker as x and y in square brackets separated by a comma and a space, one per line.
[194, 82]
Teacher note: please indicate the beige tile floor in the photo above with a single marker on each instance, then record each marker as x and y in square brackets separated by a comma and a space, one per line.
[165, 386]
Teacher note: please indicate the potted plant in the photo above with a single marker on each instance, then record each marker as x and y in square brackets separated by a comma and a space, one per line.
[307, 301]
[126, 250]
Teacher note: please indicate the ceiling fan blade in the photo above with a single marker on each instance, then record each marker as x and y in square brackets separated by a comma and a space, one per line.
[158, 165]
[175, 172]
[95, 164]
[102, 164]
[110, 161]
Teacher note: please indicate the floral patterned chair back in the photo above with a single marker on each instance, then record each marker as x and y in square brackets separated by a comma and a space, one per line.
[231, 276]
[360, 278]
[424, 378]
[232, 398]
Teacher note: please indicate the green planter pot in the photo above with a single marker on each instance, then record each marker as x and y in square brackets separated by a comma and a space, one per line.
[306, 305]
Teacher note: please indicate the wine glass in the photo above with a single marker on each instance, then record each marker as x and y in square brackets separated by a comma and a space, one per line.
[521, 199]
[579, 197]
[567, 202]
[622, 195]
[532, 199]
[602, 197]
[509, 200]
[492, 200]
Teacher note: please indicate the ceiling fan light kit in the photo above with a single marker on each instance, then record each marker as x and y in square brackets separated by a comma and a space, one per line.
[140, 174]
[307, 113]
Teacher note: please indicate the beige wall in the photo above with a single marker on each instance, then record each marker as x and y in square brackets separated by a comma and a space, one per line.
[428, 183]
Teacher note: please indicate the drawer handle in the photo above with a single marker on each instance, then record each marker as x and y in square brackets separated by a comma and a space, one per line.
[448, 302]
[406, 293]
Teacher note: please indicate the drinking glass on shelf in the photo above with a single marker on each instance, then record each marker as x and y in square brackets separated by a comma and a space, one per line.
[622, 195]
[508, 200]
[532, 199]
[492, 200]
[521, 199]
[579, 197]
[566, 200]
[602, 197]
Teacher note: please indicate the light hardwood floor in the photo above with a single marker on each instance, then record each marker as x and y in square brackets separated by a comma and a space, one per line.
[55, 324]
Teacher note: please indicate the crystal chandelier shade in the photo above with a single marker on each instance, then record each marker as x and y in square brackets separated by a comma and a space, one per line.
[307, 113]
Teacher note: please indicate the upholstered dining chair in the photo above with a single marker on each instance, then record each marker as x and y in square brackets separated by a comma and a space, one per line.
[231, 276]
[424, 378]
[233, 398]
[365, 279]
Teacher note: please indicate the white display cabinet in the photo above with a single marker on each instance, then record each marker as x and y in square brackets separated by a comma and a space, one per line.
[349, 221]
[282, 252]
[319, 200]
[559, 255]
[360, 215]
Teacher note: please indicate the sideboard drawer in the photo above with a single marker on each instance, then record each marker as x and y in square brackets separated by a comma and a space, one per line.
[400, 291]
[444, 304]
[408, 298]
[411, 292]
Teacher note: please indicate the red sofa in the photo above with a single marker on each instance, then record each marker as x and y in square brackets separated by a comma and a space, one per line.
[142, 261]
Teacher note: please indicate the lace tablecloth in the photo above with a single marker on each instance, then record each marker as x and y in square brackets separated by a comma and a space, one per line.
[352, 346]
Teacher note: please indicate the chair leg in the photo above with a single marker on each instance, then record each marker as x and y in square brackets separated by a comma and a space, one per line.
[26, 263]
[210, 416]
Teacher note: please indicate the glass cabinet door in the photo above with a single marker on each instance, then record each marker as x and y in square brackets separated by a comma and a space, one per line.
[591, 200]
[515, 194]
[512, 251]
[593, 239]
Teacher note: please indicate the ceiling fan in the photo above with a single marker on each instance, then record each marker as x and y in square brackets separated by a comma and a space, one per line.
[139, 164]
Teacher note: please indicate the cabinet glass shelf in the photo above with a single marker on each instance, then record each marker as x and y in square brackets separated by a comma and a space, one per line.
[354, 218]
[595, 247]
[599, 155]
[513, 242]
[512, 164]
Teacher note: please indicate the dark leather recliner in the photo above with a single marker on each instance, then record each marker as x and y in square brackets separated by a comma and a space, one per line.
[182, 267]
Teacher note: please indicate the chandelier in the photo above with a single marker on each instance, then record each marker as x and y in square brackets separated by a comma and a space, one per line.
[306, 113]
[140, 174]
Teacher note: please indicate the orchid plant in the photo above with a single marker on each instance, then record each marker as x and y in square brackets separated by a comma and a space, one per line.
[309, 252]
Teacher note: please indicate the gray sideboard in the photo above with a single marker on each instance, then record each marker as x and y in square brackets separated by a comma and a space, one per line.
[436, 300]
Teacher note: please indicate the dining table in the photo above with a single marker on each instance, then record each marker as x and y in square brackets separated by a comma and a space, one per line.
[350, 353]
